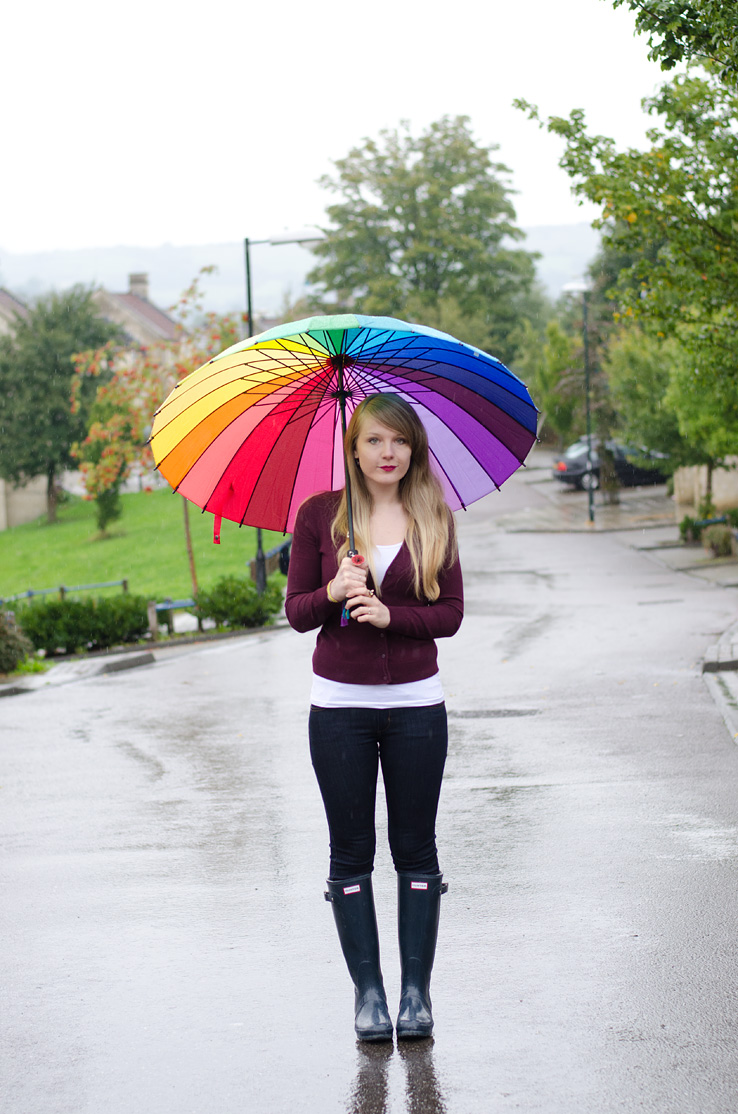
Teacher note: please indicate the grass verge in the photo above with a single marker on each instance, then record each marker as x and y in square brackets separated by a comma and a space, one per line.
[146, 546]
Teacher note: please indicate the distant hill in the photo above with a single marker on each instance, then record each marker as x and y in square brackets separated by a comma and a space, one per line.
[277, 271]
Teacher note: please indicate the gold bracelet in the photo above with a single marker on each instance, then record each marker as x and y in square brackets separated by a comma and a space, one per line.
[328, 593]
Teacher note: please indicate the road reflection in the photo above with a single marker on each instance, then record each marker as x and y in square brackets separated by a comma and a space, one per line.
[423, 1089]
[370, 1089]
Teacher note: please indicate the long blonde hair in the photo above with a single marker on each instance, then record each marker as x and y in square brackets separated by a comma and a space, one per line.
[431, 533]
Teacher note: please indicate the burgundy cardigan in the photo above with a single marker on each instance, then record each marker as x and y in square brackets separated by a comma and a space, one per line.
[361, 653]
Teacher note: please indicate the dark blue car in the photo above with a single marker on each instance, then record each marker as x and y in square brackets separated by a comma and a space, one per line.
[633, 466]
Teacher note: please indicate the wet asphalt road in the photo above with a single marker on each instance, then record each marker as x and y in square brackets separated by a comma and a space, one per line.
[166, 945]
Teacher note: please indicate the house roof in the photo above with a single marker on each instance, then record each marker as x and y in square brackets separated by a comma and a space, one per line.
[10, 305]
[142, 321]
[142, 308]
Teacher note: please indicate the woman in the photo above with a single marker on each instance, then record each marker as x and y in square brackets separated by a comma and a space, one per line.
[376, 693]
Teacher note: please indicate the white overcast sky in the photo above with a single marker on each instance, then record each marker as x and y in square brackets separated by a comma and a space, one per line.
[156, 122]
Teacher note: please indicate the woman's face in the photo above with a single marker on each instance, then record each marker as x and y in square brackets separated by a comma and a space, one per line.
[383, 455]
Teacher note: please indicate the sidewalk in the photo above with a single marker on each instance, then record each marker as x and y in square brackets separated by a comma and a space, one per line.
[647, 513]
[562, 509]
[76, 669]
[568, 512]
[95, 665]
[720, 664]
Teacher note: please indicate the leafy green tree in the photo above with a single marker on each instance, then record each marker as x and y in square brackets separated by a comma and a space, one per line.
[552, 369]
[424, 226]
[661, 402]
[681, 31]
[707, 413]
[674, 211]
[37, 425]
[639, 367]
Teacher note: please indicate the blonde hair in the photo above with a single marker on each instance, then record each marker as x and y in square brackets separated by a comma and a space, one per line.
[431, 534]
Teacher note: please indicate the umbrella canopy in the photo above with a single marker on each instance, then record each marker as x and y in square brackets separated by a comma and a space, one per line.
[259, 428]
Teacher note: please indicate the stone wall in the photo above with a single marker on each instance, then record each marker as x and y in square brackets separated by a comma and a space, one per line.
[22, 504]
[690, 486]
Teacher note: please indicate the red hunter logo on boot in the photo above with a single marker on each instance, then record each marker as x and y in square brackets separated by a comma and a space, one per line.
[418, 885]
[352, 889]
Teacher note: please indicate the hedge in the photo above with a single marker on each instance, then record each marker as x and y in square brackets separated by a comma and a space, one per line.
[234, 602]
[14, 646]
[69, 625]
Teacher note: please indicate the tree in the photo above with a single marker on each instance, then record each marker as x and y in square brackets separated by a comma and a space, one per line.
[680, 31]
[118, 429]
[37, 425]
[553, 372]
[662, 404]
[640, 368]
[425, 227]
[130, 383]
[673, 209]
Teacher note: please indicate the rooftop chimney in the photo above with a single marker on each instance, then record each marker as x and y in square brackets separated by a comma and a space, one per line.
[139, 285]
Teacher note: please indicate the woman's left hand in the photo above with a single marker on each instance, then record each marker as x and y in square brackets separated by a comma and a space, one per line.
[365, 607]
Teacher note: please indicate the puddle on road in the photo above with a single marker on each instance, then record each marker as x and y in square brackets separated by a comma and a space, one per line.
[371, 1090]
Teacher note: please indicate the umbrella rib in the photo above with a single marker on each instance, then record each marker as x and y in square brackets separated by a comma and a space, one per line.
[452, 485]
[452, 431]
[326, 411]
[433, 375]
[284, 364]
[261, 403]
[425, 352]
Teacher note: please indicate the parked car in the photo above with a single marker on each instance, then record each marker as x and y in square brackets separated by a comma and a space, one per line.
[633, 466]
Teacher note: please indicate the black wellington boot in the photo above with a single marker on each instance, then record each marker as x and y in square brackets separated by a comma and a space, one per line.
[418, 912]
[352, 900]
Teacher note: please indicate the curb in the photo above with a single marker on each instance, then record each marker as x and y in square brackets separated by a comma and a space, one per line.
[66, 670]
[719, 672]
[181, 640]
[77, 671]
[723, 655]
[724, 691]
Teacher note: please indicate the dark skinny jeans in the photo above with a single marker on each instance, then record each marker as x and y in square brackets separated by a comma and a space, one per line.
[346, 747]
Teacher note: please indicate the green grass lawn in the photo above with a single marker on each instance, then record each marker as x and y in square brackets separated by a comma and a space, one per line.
[146, 546]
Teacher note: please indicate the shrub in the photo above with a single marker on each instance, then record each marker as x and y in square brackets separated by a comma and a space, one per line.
[108, 507]
[70, 625]
[14, 646]
[122, 618]
[689, 530]
[234, 602]
[718, 539]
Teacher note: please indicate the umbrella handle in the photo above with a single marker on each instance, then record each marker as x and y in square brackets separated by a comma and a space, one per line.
[357, 560]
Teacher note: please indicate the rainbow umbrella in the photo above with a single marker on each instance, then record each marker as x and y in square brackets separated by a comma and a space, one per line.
[259, 428]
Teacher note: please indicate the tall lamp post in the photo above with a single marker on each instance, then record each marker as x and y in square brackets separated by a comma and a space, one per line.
[583, 288]
[303, 236]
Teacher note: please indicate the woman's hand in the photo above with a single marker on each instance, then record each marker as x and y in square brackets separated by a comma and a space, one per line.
[349, 578]
[365, 607]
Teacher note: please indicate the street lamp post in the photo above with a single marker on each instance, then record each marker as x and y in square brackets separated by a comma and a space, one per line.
[583, 288]
[305, 236]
